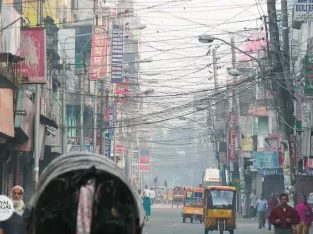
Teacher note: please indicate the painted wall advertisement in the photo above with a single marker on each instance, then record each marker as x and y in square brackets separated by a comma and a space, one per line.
[265, 160]
[33, 50]
[98, 53]
[231, 136]
[117, 55]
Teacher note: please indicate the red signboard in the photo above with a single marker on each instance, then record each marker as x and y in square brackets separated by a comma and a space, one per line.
[98, 57]
[293, 149]
[33, 50]
[144, 160]
[231, 136]
[144, 167]
[6, 112]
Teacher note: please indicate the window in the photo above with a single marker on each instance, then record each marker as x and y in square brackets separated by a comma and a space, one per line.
[221, 199]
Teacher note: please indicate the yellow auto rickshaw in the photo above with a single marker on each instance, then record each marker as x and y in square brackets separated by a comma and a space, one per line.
[220, 209]
[193, 204]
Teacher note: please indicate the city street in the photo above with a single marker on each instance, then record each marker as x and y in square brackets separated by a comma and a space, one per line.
[167, 220]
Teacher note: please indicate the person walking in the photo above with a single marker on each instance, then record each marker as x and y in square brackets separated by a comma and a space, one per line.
[306, 217]
[272, 202]
[261, 208]
[15, 224]
[253, 199]
[152, 196]
[147, 203]
[283, 216]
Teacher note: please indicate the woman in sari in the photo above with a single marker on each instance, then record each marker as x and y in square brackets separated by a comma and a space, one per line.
[147, 202]
[305, 212]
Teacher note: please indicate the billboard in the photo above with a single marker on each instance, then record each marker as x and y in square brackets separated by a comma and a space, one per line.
[117, 55]
[6, 112]
[33, 50]
[98, 56]
[231, 136]
[265, 160]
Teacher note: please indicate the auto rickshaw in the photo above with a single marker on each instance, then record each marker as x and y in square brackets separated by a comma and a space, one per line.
[160, 194]
[220, 209]
[193, 204]
[178, 197]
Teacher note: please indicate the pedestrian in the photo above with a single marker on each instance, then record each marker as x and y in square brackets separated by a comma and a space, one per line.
[147, 203]
[253, 199]
[261, 208]
[283, 216]
[155, 181]
[152, 196]
[15, 224]
[272, 202]
[306, 217]
[165, 184]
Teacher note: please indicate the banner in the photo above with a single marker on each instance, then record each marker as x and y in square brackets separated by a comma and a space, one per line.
[265, 160]
[293, 149]
[231, 136]
[117, 55]
[98, 56]
[33, 50]
[144, 160]
[247, 144]
[6, 112]
[107, 148]
[135, 164]
[308, 76]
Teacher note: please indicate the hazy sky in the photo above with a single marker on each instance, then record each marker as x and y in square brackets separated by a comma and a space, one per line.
[180, 61]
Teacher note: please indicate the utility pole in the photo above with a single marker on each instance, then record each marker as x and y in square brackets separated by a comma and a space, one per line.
[81, 79]
[64, 130]
[37, 110]
[215, 76]
[95, 113]
[103, 121]
[284, 103]
[243, 195]
[114, 131]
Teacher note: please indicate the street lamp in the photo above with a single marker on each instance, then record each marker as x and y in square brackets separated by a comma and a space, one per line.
[210, 39]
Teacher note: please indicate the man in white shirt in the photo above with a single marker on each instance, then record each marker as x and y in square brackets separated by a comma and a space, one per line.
[253, 199]
[152, 196]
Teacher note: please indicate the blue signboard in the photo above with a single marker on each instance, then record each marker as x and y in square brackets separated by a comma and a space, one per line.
[265, 160]
[108, 148]
[117, 55]
[273, 171]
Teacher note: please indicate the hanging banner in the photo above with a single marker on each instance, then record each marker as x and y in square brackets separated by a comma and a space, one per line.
[265, 160]
[107, 148]
[308, 76]
[98, 56]
[117, 55]
[33, 49]
[293, 149]
[231, 136]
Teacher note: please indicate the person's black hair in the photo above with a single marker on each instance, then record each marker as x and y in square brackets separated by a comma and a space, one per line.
[304, 196]
[283, 195]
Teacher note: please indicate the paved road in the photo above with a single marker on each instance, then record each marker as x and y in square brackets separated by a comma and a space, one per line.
[165, 220]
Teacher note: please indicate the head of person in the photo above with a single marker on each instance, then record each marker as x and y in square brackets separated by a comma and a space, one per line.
[303, 199]
[261, 196]
[276, 195]
[17, 199]
[284, 199]
[254, 191]
[272, 195]
[146, 187]
[64, 201]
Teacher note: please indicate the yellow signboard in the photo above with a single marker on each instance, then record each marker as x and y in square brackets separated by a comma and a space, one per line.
[247, 144]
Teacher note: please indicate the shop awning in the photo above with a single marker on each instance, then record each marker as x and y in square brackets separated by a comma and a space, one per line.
[48, 121]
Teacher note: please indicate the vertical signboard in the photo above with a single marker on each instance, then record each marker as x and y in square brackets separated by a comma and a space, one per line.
[135, 164]
[308, 76]
[107, 148]
[293, 149]
[117, 55]
[98, 53]
[6, 113]
[33, 50]
[231, 136]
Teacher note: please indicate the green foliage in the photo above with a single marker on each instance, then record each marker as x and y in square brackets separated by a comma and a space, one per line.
[236, 183]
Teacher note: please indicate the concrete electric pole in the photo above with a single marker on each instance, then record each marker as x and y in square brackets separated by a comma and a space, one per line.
[236, 107]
